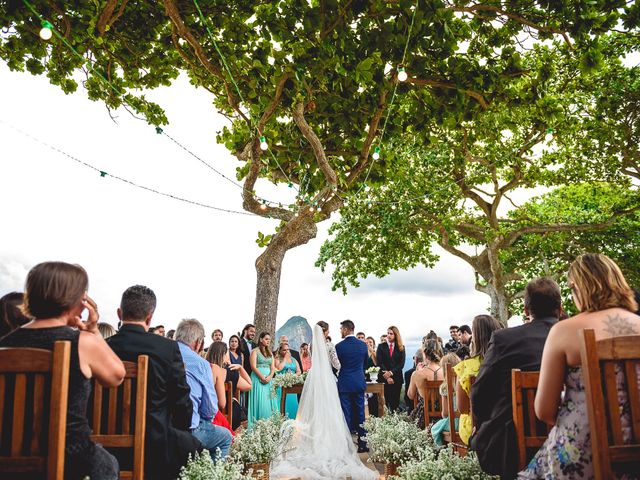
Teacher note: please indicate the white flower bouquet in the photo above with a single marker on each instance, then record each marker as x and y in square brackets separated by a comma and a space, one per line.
[287, 379]
[393, 438]
[372, 370]
[264, 441]
[201, 467]
[446, 464]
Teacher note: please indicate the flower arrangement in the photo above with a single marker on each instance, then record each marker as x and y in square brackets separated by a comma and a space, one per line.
[446, 464]
[201, 467]
[264, 441]
[372, 370]
[287, 379]
[393, 438]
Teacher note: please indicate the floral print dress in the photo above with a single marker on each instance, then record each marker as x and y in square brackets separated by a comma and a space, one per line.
[567, 451]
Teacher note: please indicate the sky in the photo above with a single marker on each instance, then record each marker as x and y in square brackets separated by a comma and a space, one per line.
[199, 262]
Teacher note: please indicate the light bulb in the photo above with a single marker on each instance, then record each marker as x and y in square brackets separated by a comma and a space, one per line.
[402, 74]
[549, 136]
[46, 33]
[393, 207]
[263, 143]
[311, 209]
[376, 153]
[367, 188]
[263, 207]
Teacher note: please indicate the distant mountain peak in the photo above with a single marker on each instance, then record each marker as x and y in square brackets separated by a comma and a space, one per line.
[297, 329]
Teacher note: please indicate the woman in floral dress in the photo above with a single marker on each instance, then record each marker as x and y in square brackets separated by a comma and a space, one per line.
[607, 305]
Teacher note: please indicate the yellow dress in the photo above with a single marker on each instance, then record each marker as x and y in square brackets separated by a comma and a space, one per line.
[465, 369]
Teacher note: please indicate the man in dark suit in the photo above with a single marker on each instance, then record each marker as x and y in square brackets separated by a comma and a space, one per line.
[519, 347]
[353, 355]
[168, 441]
[391, 357]
[246, 345]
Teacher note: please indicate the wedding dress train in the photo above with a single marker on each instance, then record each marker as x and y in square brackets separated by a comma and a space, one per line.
[321, 447]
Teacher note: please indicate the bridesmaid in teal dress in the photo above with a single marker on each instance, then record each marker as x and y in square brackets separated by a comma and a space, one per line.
[261, 403]
[286, 363]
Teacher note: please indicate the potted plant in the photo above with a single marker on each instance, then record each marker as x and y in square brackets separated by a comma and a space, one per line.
[444, 463]
[201, 467]
[256, 447]
[394, 440]
[287, 379]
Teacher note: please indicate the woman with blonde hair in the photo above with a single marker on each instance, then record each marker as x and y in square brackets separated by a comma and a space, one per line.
[442, 425]
[607, 305]
[391, 357]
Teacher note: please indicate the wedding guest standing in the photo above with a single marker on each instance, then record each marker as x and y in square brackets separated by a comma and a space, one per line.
[305, 357]
[606, 305]
[391, 357]
[56, 296]
[246, 345]
[483, 327]
[235, 358]
[261, 403]
[286, 363]
[11, 315]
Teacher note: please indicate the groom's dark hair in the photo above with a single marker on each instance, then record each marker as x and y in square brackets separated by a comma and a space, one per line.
[348, 324]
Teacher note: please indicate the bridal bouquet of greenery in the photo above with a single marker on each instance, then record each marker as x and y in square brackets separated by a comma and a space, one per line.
[201, 467]
[287, 379]
[261, 443]
[393, 438]
[445, 464]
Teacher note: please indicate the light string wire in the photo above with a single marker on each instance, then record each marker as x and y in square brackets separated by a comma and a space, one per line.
[122, 179]
[120, 95]
[235, 84]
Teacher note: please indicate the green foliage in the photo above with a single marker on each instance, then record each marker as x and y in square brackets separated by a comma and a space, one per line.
[444, 465]
[201, 467]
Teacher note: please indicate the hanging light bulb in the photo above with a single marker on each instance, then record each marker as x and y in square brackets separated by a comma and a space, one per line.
[549, 136]
[376, 153]
[263, 206]
[46, 31]
[393, 207]
[402, 74]
[311, 209]
[367, 188]
[263, 143]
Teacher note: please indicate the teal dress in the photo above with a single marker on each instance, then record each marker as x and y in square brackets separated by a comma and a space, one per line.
[291, 403]
[261, 403]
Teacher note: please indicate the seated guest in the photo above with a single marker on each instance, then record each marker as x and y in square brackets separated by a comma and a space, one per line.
[427, 371]
[483, 326]
[417, 360]
[11, 315]
[606, 305]
[217, 335]
[442, 425]
[56, 296]
[518, 347]
[190, 338]
[168, 441]
[305, 357]
[236, 373]
[159, 330]
[106, 330]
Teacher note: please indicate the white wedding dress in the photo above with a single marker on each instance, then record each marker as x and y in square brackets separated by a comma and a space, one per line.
[321, 447]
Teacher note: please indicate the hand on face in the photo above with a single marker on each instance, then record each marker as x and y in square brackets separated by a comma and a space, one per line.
[91, 324]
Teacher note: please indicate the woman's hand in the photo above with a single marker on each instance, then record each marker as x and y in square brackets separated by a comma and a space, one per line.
[91, 324]
[234, 366]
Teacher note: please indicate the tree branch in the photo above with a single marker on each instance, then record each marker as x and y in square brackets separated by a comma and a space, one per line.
[451, 86]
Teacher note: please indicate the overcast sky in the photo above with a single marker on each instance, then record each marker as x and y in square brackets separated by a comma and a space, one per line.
[199, 262]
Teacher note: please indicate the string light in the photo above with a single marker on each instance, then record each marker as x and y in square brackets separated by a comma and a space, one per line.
[549, 136]
[263, 207]
[46, 32]
[311, 209]
[367, 188]
[263, 143]
[402, 74]
[376, 153]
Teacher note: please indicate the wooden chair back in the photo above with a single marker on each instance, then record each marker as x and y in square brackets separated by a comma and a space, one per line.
[452, 436]
[228, 410]
[430, 391]
[530, 432]
[602, 362]
[118, 415]
[34, 391]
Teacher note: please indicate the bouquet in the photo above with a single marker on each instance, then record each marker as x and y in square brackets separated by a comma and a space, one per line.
[263, 442]
[287, 379]
[445, 464]
[372, 370]
[201, 467]
[393, 438]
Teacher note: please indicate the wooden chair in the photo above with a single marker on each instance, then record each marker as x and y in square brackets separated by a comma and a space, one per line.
[228, 393]
[530, 432]
[600, 362]
[122, 423]
[34, 387]
[430, 391]
[452, 435]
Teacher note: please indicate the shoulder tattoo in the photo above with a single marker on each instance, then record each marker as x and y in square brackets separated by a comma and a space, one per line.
[617, 325]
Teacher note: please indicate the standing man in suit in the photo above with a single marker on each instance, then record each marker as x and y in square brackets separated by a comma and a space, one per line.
[353, 355]
[519, 347]
[168, 440]
[245, 347]
[391, 357]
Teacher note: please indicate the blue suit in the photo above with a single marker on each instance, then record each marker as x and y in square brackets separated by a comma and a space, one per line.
[353, 355]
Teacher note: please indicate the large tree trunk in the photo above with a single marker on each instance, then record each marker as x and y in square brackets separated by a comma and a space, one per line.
[499, 304]
[269, 267]
[489, 267]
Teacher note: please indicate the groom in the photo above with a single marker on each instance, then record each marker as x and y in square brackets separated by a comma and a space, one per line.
[352, 354]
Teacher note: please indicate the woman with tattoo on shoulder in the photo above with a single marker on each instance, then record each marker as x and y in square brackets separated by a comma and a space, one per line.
[606, 304]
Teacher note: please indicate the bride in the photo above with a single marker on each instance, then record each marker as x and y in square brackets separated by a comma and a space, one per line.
[321, 447]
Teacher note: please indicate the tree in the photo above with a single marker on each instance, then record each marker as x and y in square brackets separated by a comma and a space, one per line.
[315, 79]
[451, 187]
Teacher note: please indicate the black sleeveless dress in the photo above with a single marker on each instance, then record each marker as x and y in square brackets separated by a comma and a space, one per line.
[81, 454]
